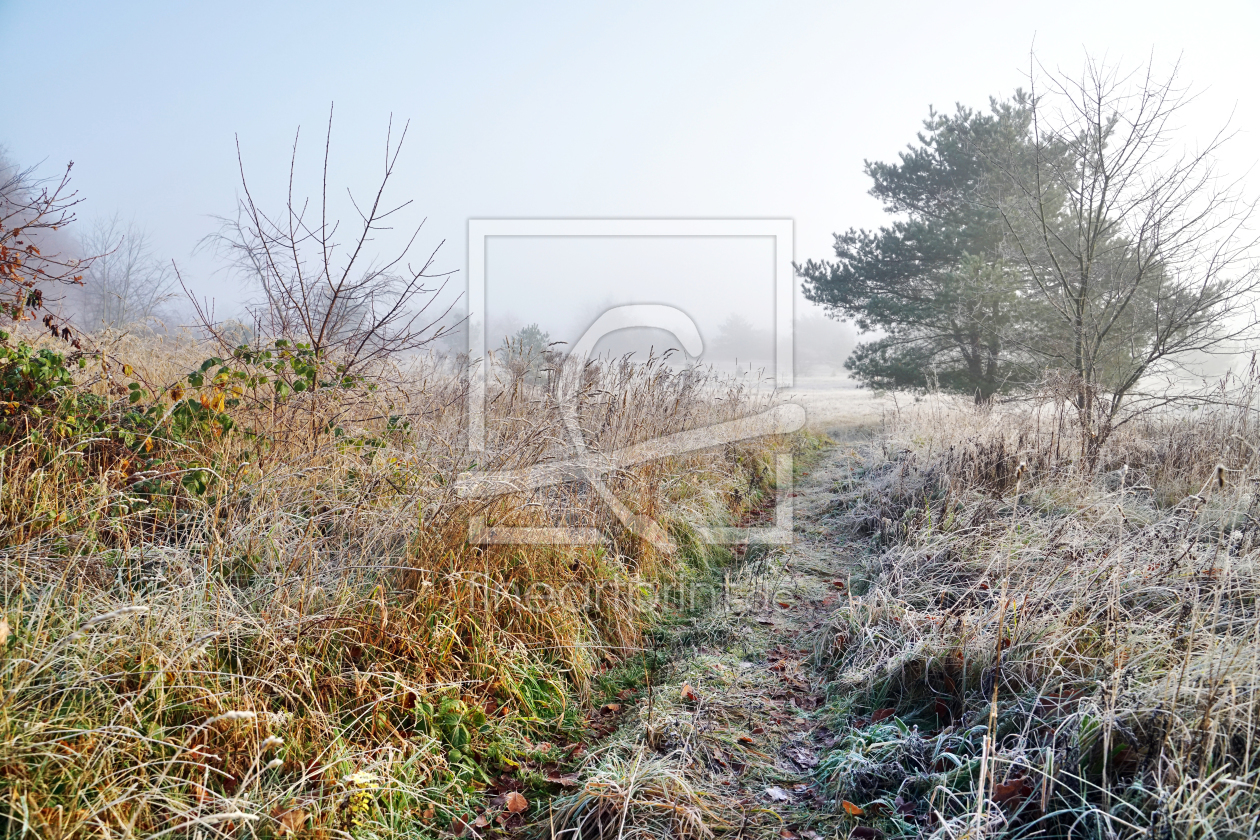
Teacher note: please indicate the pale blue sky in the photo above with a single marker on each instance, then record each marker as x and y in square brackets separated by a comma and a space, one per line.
[555, 110]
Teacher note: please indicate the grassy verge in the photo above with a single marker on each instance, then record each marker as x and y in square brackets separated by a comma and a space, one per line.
[1036, 646]
[239, 597]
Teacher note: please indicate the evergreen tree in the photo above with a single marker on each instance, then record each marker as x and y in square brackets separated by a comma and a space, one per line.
[934, 282]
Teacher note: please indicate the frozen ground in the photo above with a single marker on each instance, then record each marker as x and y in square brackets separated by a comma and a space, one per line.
[838, 403]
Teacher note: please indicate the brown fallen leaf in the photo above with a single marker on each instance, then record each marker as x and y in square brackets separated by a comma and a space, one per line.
[291, 820]
[882, 714]
[784, 604]
[458, 827]
[611, 707]
[515, 802]
[481, 821]
[744, 739]
[689, 694]
[786, 835]
[543, 746]
[851, 809]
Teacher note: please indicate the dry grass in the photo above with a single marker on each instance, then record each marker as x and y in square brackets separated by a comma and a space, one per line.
[1081, 646]
[307, 644]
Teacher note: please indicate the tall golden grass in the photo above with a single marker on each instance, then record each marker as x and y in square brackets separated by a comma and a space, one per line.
[309, 644]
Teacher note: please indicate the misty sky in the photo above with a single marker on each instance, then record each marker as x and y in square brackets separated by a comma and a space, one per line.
[690, 110]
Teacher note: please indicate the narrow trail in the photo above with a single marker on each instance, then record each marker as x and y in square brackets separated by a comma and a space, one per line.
[782, 602]
[736, 713]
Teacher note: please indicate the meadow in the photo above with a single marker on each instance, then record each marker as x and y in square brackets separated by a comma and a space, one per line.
[1038, 643]
[240, 598]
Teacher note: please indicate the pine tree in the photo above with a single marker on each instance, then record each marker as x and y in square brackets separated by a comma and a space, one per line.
[935, 282]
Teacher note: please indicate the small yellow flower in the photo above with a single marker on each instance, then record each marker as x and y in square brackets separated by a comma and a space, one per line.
[359, 801]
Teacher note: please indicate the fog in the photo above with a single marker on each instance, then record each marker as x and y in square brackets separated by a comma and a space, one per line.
[561, 111]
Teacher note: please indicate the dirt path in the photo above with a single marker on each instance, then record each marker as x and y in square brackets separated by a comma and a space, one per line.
[729, 738]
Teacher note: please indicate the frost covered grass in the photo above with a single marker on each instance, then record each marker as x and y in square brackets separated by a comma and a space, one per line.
[1039, 646]
[238, 607]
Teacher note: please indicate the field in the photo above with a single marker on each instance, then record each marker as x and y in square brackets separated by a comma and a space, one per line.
[240, 598]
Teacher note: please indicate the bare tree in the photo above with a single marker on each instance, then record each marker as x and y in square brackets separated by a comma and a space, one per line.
[127, 284]
[339, 298]
[1139, 251]
[32, 211]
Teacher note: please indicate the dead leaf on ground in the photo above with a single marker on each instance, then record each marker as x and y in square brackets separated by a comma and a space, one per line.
[481, 821]
[865, 832]
[786, 835]
[689, 694]
[515, 802]
[882, 714]
[851, 809]
[291, 820]
[802, 757]
[777, 794]
[611, 707]
[1015, 789]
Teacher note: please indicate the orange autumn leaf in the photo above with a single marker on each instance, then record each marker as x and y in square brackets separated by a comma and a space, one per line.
[1015, 789]
[851, 809]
